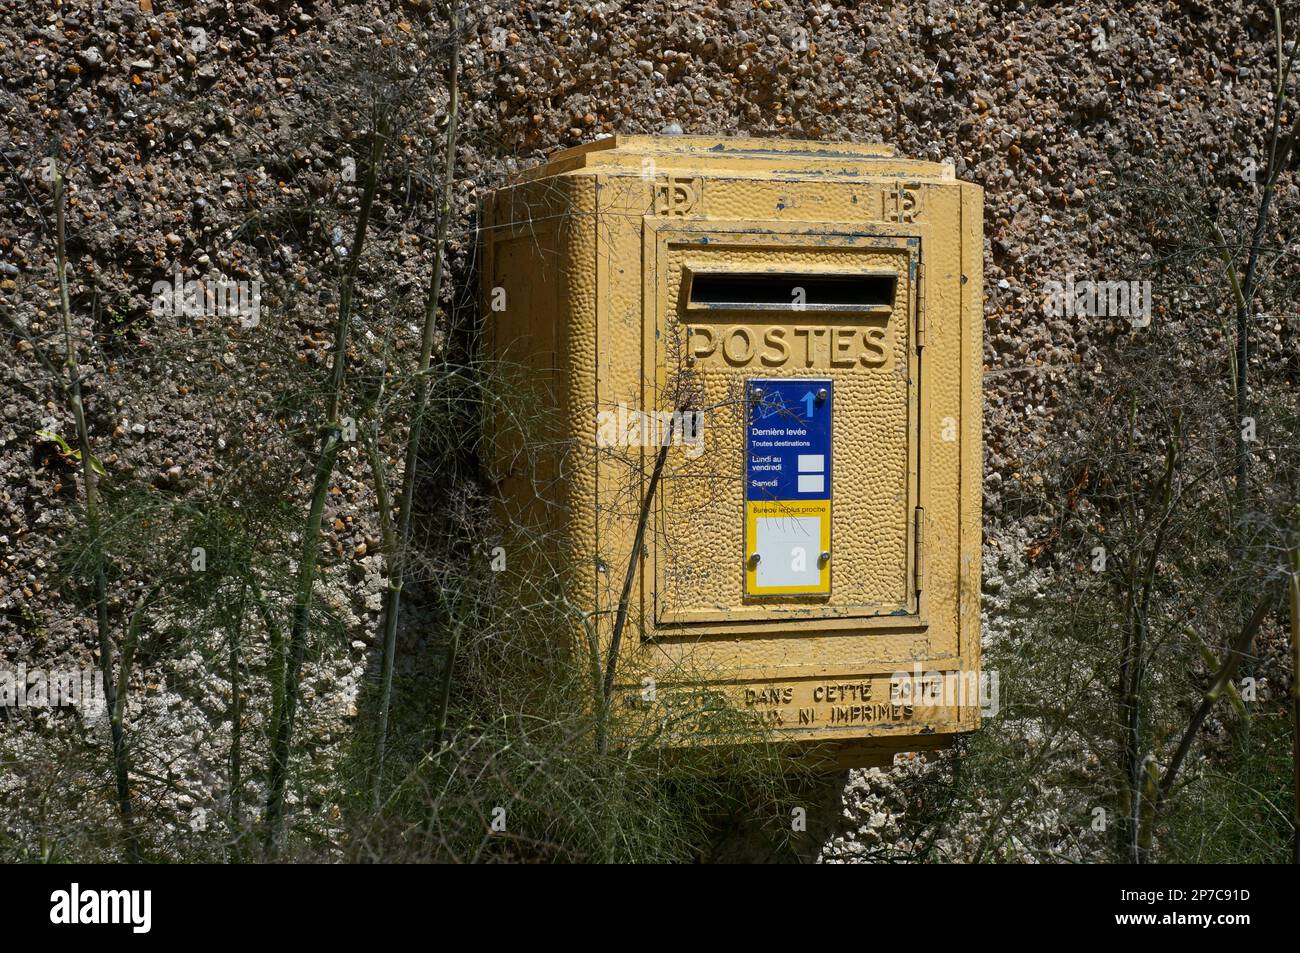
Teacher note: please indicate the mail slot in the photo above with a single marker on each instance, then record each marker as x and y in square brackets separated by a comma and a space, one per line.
[799, 324]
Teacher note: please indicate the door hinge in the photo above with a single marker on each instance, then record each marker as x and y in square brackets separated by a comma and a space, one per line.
[920, 305]
[918, 549]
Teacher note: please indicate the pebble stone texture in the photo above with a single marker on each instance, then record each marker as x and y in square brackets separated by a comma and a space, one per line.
[181, 147]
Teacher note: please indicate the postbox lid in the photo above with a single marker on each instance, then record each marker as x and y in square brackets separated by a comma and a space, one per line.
[737, 156]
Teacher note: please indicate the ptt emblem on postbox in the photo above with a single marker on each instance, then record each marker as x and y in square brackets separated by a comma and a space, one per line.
[788, 486]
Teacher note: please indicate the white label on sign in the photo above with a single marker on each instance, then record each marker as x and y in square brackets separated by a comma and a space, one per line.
[812, 483]
[788, 548]
[812, 463]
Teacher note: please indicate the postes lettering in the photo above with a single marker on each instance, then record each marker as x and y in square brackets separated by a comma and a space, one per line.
[787, 346]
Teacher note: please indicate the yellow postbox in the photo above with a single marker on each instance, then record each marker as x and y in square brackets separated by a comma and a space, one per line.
[772, 350]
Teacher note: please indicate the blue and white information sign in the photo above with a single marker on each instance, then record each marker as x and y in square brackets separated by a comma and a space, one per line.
[788, 486]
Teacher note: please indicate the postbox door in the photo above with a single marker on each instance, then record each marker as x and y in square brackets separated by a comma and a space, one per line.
[790, 492]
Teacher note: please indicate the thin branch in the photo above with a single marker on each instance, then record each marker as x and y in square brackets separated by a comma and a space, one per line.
[634, 560]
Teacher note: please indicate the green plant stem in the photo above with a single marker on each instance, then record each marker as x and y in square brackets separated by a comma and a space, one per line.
[235, 663]
[90, 479]
[1293, 591]
[1278, 159]
[275, 638]
[281, 749]
[397, 554]
[1236, 653]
